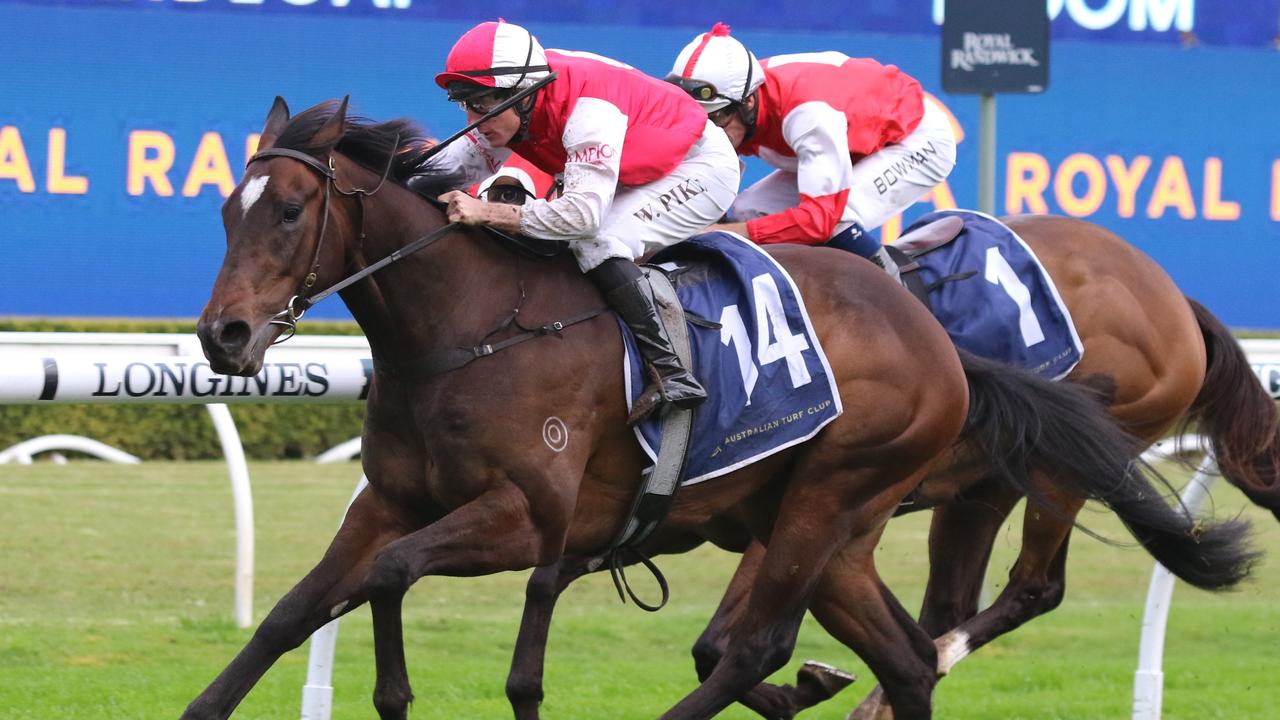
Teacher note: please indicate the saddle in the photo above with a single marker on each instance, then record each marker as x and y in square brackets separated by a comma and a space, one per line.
[923, 240]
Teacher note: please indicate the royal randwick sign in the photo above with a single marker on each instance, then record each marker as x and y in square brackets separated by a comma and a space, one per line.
[995, 46]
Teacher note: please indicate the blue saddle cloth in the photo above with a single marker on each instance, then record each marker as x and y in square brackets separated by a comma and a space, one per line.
[1009, 309]
[768, 382]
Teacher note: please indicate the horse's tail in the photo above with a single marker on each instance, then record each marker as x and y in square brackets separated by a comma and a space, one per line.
[1237, 416]
[1023, 424]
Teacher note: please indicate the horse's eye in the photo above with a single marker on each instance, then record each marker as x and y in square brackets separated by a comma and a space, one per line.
[292, 213]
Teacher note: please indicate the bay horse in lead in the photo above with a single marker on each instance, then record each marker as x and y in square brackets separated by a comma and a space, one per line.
[461, 482]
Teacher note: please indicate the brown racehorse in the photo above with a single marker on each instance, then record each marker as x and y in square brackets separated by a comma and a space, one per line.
[463, 482]
[1156, 357]
[1159, 359]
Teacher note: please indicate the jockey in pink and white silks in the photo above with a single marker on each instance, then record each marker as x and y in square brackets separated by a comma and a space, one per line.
[853, 142]
[642, 165]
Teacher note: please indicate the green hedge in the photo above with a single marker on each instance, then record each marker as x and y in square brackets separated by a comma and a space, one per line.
[182, 432]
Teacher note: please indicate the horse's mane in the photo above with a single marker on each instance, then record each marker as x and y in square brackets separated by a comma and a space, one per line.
[367, 142]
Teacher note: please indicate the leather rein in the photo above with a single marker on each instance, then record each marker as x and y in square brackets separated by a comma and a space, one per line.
[434, 363]
[303, 300]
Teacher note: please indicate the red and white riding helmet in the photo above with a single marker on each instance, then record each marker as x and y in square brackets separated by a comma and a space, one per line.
[495, 55]
[716, 69]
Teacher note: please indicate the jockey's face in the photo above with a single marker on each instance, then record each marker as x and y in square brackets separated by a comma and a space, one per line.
[729, 118]
[732, 125]
[498, 130]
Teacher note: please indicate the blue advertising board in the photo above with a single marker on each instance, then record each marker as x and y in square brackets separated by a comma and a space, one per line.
[123, 124]
[995, 47]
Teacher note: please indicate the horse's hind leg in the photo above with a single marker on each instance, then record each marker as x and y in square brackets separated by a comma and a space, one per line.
[524, 681]
[817, 518]
[331, 589]
[855, 607]
[815, 682]
[961, 537]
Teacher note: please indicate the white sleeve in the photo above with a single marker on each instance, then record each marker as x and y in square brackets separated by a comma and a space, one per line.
[593, 137]
[464, 162]
[819, 135]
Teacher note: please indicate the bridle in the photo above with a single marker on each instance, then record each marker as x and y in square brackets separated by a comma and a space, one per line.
[303, 300]
[433, 363]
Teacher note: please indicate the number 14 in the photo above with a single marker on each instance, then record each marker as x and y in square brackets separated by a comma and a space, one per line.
[771, 321]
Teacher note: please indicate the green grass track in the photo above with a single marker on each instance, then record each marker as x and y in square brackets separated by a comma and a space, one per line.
[116, 597]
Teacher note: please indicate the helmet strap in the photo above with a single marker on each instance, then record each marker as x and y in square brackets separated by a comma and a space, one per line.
[524, 108]
[749, 113]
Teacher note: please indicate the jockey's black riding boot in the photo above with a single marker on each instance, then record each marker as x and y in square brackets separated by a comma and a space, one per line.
[628, 292]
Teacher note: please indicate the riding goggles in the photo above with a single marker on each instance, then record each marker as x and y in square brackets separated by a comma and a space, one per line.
[699, 90]
[481, 105]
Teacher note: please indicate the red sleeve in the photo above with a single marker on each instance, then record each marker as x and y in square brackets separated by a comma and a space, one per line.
[811, 222]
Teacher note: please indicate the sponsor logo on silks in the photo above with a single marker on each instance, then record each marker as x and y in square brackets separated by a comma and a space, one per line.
[991, 49]
[901, 168]
[180, 379]
[593, 155]
[678, 195]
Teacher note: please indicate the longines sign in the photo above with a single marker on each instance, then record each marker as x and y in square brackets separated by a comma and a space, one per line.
[182, 380]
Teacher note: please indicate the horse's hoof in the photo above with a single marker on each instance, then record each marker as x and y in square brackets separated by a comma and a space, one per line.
[822, 681]
[872, 708]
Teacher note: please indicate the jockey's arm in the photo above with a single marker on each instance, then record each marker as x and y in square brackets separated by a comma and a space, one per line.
[461, 163]
[593, 138]
[818, 134]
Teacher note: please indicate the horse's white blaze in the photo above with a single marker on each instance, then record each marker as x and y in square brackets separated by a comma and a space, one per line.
[251, 192]
[952, 648]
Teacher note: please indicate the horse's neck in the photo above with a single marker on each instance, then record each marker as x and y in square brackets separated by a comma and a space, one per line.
[450, 294]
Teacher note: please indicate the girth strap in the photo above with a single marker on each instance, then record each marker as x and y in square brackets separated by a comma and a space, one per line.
[444, 361]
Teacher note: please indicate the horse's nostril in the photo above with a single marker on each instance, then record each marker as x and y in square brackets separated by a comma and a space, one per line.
[234, 334]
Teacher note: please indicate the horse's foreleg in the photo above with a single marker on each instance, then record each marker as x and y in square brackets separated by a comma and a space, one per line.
[815, 682]
[1037, 584]
[492, 533]
[961, 538]
[392, 693]
[711, 644]
[524, 682]
[331, 589]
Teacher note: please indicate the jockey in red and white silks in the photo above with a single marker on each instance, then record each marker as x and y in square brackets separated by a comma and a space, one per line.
[854, 142]
[643, 167]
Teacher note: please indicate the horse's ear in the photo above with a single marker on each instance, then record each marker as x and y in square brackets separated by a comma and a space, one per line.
[331, 132]
[276, 120]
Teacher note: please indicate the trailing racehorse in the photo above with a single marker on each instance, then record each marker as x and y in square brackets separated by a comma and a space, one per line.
[1154, 356]
[464, 481]
[1159, 360]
